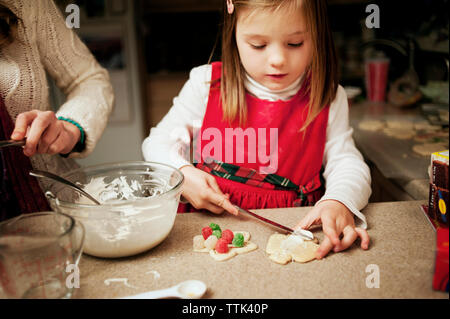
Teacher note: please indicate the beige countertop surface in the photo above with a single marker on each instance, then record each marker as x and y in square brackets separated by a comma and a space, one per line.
[402, 248]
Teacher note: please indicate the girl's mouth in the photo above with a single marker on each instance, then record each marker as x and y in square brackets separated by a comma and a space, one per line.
[276, 76]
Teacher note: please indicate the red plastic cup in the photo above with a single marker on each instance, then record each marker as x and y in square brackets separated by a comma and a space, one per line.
[376, 79]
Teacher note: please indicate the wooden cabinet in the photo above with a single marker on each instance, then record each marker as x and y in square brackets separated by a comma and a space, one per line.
[161, 89]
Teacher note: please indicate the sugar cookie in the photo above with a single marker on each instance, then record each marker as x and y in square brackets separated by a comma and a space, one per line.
[371, 125]
[304, 252]
[439, 136]
[400, 124]
[285, 248]
[427, 149]
[281, 257]
[245, 249]
[222, 257]
[274, 243]
[425, 126]
[217, 249]
[399, 133]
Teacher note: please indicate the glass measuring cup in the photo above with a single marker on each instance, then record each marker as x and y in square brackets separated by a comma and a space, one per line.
[35, 252]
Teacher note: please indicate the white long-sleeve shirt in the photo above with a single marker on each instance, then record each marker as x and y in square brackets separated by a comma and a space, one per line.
[347, 177]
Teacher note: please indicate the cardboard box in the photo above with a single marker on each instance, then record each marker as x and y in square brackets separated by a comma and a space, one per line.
[439, 169]
[438, 199]
[440, 277]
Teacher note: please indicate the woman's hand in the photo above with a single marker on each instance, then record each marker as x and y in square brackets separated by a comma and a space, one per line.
[336, 219]
[202, 191]
[45, 133]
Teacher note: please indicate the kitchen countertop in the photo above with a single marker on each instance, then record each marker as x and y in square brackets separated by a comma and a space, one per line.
[393, 157]
[402, 246]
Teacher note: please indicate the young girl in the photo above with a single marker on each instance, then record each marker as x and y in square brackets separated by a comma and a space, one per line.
[274, 123]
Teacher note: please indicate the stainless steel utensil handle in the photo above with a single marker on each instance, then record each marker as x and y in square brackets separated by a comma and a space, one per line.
[301, 232]
[43, 174]
[268, 221]
[12, 143]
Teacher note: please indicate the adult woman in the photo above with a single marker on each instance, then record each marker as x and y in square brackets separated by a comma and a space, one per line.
[34, 39]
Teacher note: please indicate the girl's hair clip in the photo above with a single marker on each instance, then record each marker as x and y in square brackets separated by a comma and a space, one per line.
[230, 6]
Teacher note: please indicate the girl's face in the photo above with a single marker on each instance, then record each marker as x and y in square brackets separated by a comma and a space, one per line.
[274, 47]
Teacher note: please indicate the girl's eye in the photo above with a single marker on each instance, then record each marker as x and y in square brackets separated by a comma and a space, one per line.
[295, 45]
[258, 47]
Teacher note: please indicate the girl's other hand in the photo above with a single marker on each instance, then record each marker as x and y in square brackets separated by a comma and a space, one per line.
[336, 220]
[45, 133]
[202, 191]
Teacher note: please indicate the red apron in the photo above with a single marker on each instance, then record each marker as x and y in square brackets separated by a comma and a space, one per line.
[270, 125]
[19, 192]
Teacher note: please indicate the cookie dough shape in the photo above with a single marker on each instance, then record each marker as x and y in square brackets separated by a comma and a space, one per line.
[427, 149]
[427, 127]
[249, 246]
[440, 136]
[399, 133]
[371, 125]
[285, 248]
[199, 247]
[400, 124]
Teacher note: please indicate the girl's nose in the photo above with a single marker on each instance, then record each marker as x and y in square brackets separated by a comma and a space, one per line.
[277, 58]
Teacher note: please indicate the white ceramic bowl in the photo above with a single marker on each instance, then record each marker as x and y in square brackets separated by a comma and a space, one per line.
[121, 228]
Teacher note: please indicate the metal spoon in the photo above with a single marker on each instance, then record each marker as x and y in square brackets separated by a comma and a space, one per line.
[190, 289]
[44, 174]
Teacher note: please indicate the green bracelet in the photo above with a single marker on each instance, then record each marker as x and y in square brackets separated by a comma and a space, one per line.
[76, 124]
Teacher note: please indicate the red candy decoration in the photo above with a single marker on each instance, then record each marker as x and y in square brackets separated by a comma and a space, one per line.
[222, 246]
[228, 235]
[206, 232]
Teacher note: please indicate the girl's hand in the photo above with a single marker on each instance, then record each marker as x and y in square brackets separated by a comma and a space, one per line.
[45, 133]
[336, 219]
[202, 191]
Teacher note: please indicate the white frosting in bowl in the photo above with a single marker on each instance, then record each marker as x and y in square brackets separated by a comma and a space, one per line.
[129, 221]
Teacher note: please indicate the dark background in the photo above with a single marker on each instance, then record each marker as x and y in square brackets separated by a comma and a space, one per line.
[177, 38]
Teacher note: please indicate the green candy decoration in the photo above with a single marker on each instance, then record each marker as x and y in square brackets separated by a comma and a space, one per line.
[238, 240]
[217, 233]
[215, 227]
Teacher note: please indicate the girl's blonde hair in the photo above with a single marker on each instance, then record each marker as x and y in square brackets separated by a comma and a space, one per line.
[8, 25]
[322, 71]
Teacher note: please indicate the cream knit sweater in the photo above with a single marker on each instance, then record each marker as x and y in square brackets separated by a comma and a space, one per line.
[44, 43]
